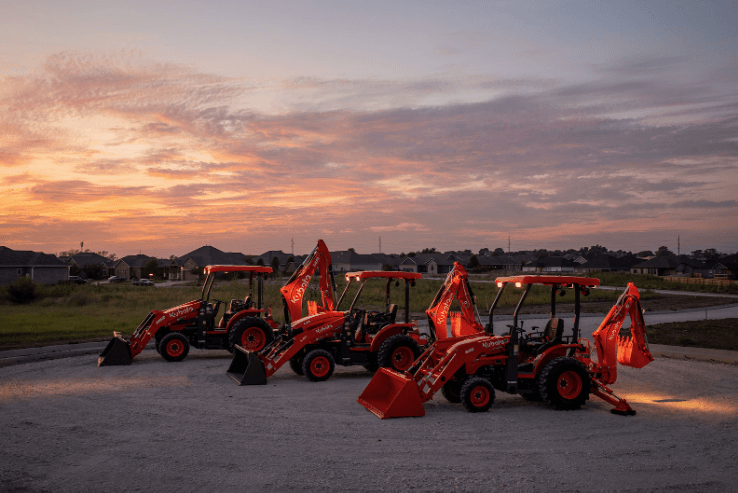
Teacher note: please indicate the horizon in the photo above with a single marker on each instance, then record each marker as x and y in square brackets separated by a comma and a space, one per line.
[251, 125]
[405, 252]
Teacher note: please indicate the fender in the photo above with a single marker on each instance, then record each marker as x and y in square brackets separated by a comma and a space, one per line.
[554, 352]
[251, 312]
[388, 331]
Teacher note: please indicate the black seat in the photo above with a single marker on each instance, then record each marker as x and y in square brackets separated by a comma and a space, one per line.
[391, 313]
[248, 301]
[551, 334]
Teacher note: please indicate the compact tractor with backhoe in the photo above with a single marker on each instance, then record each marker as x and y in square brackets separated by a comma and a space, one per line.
[193, 323]
[245, 323]
[540, 365]
[315, 344]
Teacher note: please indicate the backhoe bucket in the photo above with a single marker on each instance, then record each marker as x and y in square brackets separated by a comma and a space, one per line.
[246, 367]
[117, 352]
[392, 395]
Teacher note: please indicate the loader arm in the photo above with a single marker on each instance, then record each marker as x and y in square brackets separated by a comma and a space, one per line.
[456, 285]
[613, 344]
[294, 290]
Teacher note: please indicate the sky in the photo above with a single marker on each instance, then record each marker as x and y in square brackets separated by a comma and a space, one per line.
[159, 127]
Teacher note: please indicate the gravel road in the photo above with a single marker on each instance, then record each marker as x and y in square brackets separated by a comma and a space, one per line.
[69, 426]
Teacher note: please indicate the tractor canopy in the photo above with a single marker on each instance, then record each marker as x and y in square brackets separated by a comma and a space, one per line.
[382, 274]
[260, 269]
[568, 281]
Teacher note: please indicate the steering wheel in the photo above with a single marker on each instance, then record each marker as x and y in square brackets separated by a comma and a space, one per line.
[373, 313]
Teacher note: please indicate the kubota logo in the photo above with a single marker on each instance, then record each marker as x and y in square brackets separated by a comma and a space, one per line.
[492, 343]
[470, 350]
[324, 329]
[446, 306]
[160, 320]
[181, 311]
[302, 287]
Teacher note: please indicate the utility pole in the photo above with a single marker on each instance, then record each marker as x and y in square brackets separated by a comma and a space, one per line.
[293, 246]
[508, 245]
[380, 244]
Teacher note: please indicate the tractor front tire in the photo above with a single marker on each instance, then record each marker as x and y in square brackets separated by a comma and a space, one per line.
[296, 365]
[318, 365]
[477, 395]
[174, 347]
[398, 352]
[564, 384]
[451, 390]
[160, 334]
[251, 333]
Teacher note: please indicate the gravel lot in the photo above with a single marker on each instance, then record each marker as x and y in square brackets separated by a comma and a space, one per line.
[68, 425]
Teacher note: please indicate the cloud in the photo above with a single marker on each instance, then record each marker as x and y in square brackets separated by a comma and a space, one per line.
[162, 148]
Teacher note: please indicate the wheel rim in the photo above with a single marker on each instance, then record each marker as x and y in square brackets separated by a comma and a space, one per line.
[174, 348]
[479, 396]
[569, 384]
[402, 358]
[320, 366]
[252, 339]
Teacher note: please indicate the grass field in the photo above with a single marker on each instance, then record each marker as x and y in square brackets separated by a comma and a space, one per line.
[71, 313]
[712, 334]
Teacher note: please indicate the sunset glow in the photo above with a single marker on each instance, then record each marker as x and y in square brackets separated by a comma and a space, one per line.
[240, 128]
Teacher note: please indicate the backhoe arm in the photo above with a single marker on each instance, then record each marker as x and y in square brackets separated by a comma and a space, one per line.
[456, 285]
[613, 346]
[294, 290]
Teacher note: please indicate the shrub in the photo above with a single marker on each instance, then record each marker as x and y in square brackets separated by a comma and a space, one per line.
[22, 290]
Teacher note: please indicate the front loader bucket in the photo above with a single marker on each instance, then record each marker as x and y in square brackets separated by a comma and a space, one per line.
[117, 352]
[392, 395]
[246, 367]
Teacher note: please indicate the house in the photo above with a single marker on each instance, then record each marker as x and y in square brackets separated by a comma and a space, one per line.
[431, 263]
[501, 262]
[553, 265]
[657, 266]
[350, 261]
[607, 263]
[41, 267]
[92, 264]
[194, 261]
[131, 266]
[287, 262]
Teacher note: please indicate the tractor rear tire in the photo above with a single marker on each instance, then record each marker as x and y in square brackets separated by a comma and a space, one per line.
[398, 352]
[564, 384]
[318, 365]
[251, 333]
[174, 347]
[451, 390]
[477, 395]
[296, 365]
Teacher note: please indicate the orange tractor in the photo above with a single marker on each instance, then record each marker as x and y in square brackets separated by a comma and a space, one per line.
[193, 323]
[314, 344]
[542, 365]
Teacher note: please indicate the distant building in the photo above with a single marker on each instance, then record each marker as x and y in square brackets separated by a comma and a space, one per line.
[40, 267]
[348, 261]
[202, 257]
[105, 266]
